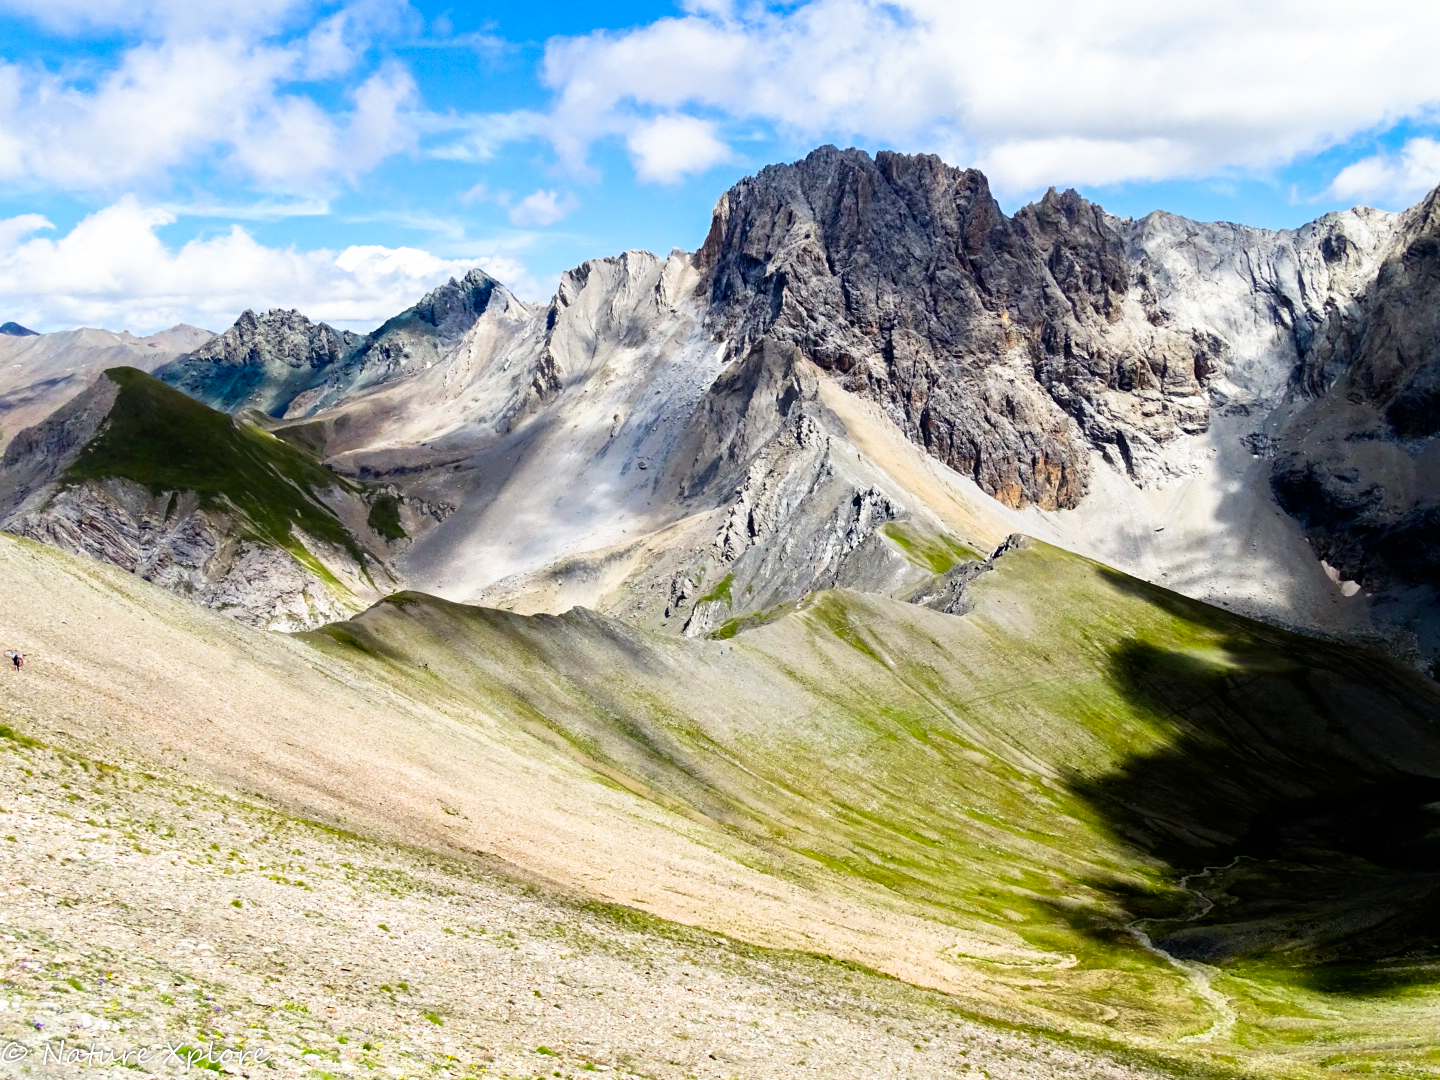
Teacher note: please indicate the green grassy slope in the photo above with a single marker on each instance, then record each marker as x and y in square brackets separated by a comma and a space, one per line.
[933, 552]
[1052, 775]
[159, 437]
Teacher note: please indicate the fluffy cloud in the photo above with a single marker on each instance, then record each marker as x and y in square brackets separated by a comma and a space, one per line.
[1392, 179]
[1039, 91]
[227, 99]
[113, 270]
[541, 208]
[669, 147]
[163, 17]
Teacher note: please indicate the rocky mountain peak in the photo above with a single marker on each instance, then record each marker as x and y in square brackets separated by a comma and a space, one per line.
[1357, 466]
[281, 334]
[983, 336]
[451, 308]
[263, 362]
[284, 364]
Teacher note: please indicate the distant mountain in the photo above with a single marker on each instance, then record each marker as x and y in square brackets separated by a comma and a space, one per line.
[284, 365]
[40, 372]
[262, 362]
[14, 329]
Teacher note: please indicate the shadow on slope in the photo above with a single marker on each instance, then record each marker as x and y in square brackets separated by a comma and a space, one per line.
[1300, 794]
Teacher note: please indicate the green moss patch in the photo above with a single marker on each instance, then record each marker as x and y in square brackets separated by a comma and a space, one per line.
[934, 552]
[721, 591]
[384, 517]
[741, 623]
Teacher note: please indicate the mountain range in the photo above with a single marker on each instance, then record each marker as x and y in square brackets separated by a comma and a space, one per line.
[1061, 585]
[864, 349]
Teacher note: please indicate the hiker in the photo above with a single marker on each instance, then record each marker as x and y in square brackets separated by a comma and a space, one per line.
[17, 660]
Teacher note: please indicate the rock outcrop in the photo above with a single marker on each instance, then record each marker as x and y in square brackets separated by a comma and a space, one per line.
[206, 554]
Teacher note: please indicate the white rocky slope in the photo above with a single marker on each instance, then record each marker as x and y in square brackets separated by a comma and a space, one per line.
[600, 452]
[1199, 515]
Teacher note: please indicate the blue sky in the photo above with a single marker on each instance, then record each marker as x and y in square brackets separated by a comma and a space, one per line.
[178, 160]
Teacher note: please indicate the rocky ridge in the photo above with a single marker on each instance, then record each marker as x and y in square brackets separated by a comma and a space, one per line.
[284, 365]
[262, 362]
[1010, 348]
[172, 492]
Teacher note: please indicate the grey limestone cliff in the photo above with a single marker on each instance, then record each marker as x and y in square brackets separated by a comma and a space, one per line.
[1009, 347]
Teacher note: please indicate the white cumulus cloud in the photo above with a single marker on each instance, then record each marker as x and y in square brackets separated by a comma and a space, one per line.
[159, 17]
[225, 98]
[113, 270]
[1038, 91]
[541, 208]
[1392, 179]
[669, 147]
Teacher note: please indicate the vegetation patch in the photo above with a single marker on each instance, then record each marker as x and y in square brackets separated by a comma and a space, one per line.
[7, 732]
[385, 517]
[741, 623]
[720, 592]
[160, 438]
[934, 552]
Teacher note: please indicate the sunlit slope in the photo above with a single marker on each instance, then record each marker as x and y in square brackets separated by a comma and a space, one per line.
[987, 804]
[1040, 775]
[120, 667]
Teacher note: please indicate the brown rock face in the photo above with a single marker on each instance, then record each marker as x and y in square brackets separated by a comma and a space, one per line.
[997, 343]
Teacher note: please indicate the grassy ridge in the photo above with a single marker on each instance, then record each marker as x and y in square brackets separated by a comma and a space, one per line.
[1047, 775]
[159, 437]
